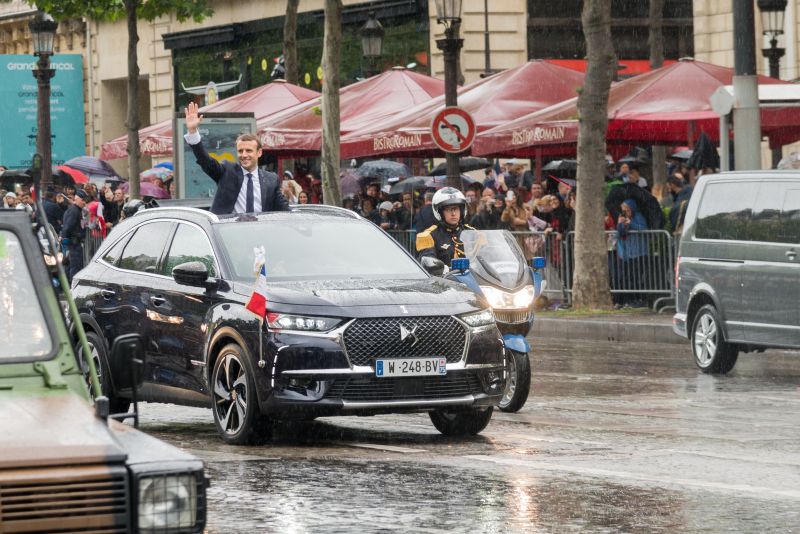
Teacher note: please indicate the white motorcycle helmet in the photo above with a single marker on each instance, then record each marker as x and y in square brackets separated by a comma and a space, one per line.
[448, 196]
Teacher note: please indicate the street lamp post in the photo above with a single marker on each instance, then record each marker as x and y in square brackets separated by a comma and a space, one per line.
[448, 13]
[371, 41]
[772, 18]
[43, 32]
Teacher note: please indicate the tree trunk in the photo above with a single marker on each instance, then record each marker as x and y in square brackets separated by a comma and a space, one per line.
[331, 54]
[591, 287]
[656, 41]
[132, 122]
[290, 42]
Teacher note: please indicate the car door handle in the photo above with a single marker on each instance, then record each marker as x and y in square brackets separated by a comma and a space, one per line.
[107, 294]
[791, 254]
[157, 300]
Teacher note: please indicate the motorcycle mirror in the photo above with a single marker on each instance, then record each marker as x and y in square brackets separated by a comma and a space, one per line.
[434, 266]
[538, 262]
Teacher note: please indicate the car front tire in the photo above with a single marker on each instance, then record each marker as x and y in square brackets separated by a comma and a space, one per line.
[100, 357]
[461, 423]
[712, 354]
[234, 400]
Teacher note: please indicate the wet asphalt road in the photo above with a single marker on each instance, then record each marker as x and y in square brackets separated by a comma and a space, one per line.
[614, 438]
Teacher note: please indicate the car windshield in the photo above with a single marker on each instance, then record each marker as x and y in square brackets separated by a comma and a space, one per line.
[315, 248]
[22, 322]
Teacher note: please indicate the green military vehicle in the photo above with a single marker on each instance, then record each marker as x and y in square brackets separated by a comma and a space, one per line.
[66, 466]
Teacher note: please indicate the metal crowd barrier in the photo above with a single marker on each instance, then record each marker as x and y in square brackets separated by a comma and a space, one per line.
[407, 238]
[90, 246]
[648, 278]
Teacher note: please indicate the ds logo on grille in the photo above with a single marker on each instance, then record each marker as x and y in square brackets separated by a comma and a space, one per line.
[409, 336]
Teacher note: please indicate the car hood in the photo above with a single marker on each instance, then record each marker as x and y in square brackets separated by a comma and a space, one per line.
[53, 430]
[429, 296]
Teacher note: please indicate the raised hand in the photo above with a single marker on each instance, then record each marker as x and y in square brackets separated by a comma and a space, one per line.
[193, 119]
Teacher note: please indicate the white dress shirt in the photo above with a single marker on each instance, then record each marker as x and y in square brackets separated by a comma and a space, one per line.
[241, 199]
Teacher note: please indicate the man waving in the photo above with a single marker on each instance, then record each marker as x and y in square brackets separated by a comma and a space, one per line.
[241, 188]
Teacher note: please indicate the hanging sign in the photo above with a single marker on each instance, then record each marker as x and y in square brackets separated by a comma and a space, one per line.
[453, 130]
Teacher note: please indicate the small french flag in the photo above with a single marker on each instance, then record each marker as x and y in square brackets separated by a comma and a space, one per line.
[258, 300]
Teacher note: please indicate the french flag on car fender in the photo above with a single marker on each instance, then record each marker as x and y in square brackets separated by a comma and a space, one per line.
[258, 300]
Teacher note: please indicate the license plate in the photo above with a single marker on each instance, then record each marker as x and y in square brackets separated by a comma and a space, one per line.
[411, 367]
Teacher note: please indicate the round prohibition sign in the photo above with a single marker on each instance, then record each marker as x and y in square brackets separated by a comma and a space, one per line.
[453, 130]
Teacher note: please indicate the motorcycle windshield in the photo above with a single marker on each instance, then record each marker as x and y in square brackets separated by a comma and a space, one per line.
[495, 256]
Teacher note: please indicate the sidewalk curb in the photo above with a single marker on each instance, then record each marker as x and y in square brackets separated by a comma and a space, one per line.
[616, 331]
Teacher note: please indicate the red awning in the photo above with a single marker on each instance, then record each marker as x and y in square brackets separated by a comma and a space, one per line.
[297, 131]
[669, 105]
[491, 101]
[262, 101]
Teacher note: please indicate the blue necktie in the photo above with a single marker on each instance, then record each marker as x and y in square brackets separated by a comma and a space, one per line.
[250, 202]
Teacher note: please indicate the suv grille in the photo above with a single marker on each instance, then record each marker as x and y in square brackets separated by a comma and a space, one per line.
[387, 389]
[367, 339]
[76, 499]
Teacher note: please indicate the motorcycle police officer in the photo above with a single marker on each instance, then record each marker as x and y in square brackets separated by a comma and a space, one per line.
[443, 239]
[72, 233]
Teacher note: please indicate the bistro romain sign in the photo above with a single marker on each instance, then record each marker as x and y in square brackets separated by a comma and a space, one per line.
[396, 141]
[527, 136]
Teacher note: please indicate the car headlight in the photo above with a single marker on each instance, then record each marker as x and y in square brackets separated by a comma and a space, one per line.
[481, 318]
[167, 502]
[503, 300]
[281, 321]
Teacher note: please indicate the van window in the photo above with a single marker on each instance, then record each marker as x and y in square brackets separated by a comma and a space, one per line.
[790, 215]
[765, 220]
[725, 210]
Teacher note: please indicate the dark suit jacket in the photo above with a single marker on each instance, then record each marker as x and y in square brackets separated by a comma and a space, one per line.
[229, 178]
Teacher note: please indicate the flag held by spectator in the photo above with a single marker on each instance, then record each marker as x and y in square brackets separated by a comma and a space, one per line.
[258, 300]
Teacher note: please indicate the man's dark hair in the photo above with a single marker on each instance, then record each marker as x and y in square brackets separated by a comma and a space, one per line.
[249, 137]
[674, 180]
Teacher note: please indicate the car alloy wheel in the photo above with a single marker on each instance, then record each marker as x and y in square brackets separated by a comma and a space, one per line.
[231, 394]
[518, 382]
[706, 339]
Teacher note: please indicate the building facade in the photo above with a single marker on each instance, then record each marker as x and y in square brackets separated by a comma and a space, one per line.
[241, 41]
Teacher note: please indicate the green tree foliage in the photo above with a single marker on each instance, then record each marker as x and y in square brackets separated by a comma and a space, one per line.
[130, 10]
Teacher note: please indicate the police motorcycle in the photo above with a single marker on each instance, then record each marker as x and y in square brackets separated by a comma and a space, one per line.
[495, 268]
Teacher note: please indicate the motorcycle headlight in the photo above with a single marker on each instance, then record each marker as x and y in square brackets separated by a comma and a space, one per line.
[481, 318]
[282, 321]
[167, 502]
[503, 300]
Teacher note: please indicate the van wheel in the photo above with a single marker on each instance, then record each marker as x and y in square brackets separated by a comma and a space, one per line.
[712, 354]
[461, 423]
[97, 349]
[234, 399]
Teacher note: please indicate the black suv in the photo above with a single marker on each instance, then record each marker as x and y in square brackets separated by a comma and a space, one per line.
[353, 326]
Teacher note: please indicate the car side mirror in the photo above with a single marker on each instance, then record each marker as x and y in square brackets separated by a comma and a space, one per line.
[434, 266]
[191, 273]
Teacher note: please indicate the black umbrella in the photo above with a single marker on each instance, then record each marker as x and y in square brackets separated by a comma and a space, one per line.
[465, 164]
[704, 154]
[409, 184]
[562, 165]
[91, 166]
[383, 168]
[684, 154]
